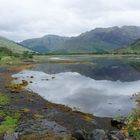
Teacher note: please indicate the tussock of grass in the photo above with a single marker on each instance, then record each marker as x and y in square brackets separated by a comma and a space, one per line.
[88, 118]
[25, 110]
[15, 87]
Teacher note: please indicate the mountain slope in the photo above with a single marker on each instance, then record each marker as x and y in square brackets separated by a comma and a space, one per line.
[11, 45]
[134, 48]
[97, 40]
[47, 43]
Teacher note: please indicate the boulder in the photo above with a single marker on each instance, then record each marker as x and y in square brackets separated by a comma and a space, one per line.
[98, 134]
[79, 135]
[116, 135]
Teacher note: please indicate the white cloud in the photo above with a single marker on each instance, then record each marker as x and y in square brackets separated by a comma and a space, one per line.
[33, 18]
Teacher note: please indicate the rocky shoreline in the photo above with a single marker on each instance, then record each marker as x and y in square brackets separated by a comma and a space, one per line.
[44, 120]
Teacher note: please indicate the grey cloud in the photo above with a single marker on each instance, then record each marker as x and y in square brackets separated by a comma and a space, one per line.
[33, 18]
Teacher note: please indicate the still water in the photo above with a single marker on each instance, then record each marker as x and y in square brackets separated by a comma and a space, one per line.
[102, 86]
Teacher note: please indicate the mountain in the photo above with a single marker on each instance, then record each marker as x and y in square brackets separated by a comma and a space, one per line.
[134, 48]
[47, 43]
[94, 41]
[11, 45]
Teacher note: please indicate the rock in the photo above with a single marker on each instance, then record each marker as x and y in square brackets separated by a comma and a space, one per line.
[116, 135]
[120, 136]
[1, 136]
[79, 135]
[53, 126]
[98, 134]
[11, 136]
[1, 119]
[117, 123]
[41, 126]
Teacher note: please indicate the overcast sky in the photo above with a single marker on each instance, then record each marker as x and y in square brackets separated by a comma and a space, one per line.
[23, 19]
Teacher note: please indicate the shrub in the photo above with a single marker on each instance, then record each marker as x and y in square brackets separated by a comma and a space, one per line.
[132, 128]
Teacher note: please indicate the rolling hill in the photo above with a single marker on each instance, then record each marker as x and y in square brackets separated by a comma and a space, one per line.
[11, 45]
[95, 41]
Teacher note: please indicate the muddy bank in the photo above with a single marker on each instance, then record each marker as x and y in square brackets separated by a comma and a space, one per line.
[40, 116]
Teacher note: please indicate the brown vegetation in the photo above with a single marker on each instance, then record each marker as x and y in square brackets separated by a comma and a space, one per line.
[48, 136]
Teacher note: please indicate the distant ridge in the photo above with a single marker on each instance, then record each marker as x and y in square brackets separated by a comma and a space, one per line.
[95, 41]
[47, 43]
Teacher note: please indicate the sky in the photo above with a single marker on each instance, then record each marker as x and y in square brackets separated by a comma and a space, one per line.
[24, 19]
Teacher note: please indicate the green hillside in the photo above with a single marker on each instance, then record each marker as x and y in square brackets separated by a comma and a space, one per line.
[11, 45]
[131, 49]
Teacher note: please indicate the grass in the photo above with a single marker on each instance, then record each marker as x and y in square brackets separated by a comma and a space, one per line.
[10, 124]
[8, 56]
[3, 99]
[20, 67]
[10, 119]
[10, 60]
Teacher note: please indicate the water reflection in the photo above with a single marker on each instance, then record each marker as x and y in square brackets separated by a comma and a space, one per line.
[109, 69]
[103, 87]
[100, 97]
